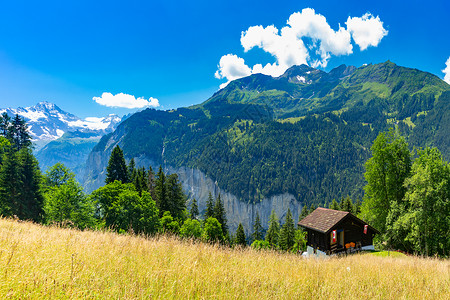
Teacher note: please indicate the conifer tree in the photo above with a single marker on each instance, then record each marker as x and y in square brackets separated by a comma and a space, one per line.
[209, 213]
[334, 205]
[305, 211]
[273, 232]
[220, 215]
[10, 183]
[287, 234]
[5, 123]
[357, 207]
[257, 229]
[30, 204]
[161, 192]
[176, 200]
[116, 169]
[151, 182]
[240, 235]
[194, 209]
[346, 204]
[131, 170]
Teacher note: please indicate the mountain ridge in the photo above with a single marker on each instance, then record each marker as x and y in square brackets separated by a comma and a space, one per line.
[274, 142]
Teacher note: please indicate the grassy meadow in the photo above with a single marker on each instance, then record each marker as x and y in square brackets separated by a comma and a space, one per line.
[50, 262]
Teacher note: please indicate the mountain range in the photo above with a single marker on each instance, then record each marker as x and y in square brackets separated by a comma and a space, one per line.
[59, 136]
[47, 122]
[268, 143]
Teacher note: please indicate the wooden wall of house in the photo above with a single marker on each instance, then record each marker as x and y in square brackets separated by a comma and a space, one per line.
[316, 239]
[354, 232]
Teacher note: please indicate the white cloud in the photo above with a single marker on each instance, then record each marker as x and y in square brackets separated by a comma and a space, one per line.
[125, 101]
[366, 31]
[446, 71]
[232, 67]
[307, 39]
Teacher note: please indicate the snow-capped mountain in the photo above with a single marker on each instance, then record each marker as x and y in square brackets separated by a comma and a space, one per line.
[48, 122]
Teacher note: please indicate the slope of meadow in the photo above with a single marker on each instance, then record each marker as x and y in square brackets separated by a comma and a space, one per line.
[50, 262]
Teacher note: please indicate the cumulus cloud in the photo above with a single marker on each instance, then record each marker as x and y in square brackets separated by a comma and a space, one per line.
[307, 39]
[125, 101]
[446, 71]
[232, 67]
[366, 31]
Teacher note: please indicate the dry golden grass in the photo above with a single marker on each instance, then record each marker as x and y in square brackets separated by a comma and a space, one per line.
[50, 262]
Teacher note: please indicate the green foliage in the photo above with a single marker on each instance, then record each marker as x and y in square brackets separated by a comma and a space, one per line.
[240, 236]
[176, 199]
[116, 169]
[273, 233]
[169, 224]
[65, 203]
[161, 192]
[287, 233]
[386, 172]
[58, 175]
[346, 204]
[423, 222]
[260, 245]
[194, 209]
[209, 213]
[220, 215]
[300, 241]
[20, 185]
[258, 230]
[334, 205]
[212, 231]
[305, 211]
[122, 208]
[191, 228]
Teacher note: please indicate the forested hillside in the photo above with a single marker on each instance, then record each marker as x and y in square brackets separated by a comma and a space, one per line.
[307, 132]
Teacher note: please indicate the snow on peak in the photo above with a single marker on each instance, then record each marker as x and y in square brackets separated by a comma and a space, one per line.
[301, 79]
[46, 121]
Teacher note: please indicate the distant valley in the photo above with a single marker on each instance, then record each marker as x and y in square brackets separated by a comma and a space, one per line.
[59, 136]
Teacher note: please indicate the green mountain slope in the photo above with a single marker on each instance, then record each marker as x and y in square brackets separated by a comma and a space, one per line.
[307, 132]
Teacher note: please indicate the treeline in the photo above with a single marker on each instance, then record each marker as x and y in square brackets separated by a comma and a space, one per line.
[407, 196]
[133, 200]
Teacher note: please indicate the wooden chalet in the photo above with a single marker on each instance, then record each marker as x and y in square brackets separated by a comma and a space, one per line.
[331, 231]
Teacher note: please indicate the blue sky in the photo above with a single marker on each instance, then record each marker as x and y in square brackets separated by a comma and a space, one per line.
[69, 53]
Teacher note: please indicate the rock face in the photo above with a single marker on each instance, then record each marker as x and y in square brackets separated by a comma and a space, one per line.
[197, 185]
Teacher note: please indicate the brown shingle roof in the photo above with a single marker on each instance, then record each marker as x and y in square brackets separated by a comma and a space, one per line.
[323, 219]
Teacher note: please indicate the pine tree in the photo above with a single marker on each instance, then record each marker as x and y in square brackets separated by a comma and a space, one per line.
[176, 199]
[240, 235]
[220, 215]
[305, 211]
[161, 192]
[312, 208]
[273, 232]
[131, 170]
[257, 229]
[287, 234]
[209, 213]
[5, 122]
[10, 183]
[346, 204]
[194, 209]
[31, 200]
[18, 133]
[116, 169]
[151, 182]
[334, 205]
[357, 207]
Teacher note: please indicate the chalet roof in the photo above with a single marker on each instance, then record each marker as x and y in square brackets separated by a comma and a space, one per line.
[323, 219]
